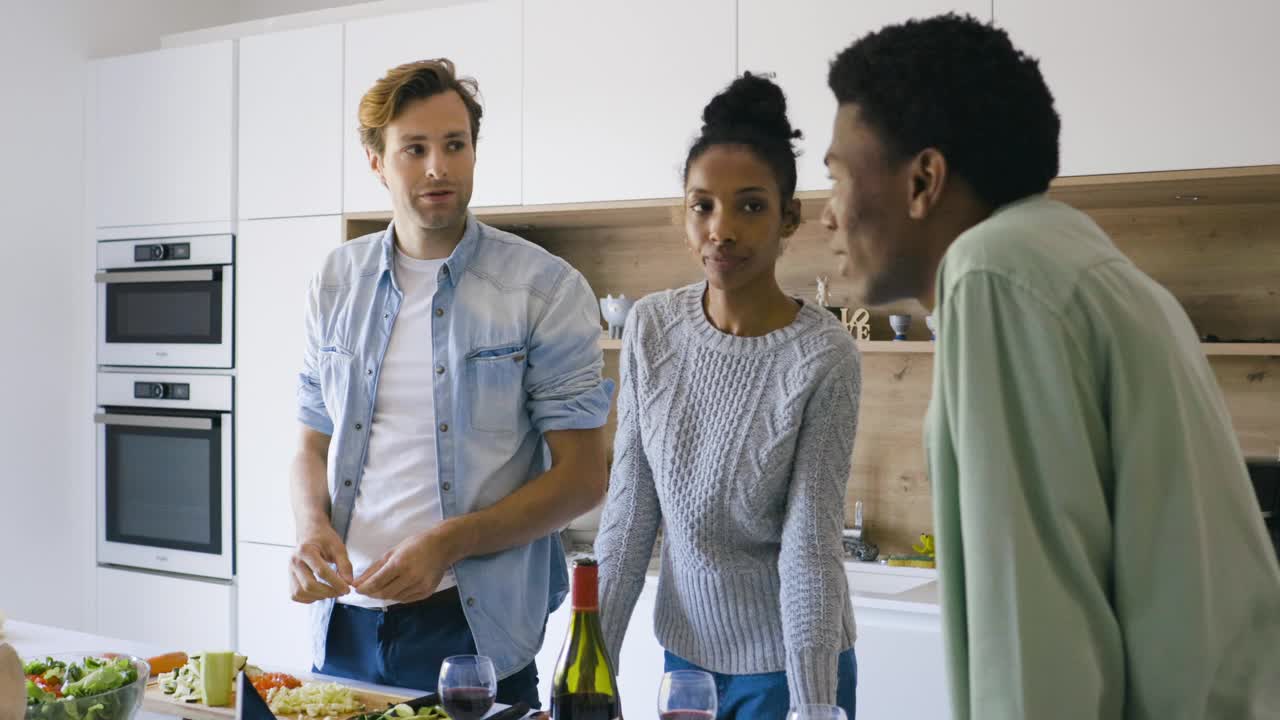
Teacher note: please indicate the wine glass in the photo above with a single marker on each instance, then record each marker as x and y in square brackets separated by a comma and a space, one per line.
[817, 712]
[468, 686]
[687, 695]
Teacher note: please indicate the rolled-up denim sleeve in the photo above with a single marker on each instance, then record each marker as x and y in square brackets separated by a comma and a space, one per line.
[563, 377]
[311, 408]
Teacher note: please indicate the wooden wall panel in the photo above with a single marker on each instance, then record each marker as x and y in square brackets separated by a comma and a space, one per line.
[1223, 263]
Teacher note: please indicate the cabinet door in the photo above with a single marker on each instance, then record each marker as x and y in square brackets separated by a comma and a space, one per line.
[901, 665]
[291, 123]
[483, 41]
[163, 137]
[614, 91]
[276, 261]
[1147, 85]
[165, 611]
[797, 42]
[274, 631]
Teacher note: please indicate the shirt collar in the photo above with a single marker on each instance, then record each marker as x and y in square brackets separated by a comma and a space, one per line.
[454, 266]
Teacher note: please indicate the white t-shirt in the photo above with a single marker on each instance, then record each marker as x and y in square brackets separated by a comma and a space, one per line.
[400, 491]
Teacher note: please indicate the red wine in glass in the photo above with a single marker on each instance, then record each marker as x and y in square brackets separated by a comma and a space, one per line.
[467, 703]
[468, 685]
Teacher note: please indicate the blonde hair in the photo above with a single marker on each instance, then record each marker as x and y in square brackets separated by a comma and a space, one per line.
[384, 102]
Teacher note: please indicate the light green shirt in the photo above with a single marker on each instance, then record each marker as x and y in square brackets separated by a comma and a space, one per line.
[1101, 552]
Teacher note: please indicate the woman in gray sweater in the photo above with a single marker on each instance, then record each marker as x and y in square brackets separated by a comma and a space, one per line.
[736, 418]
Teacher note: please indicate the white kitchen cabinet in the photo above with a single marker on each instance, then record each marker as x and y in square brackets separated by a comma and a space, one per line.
[901, 664]
[275, 264]
[291, 123]
[483, 41]
[274, 631]
[614, 91]
[163, 136]
[177, 613]
[797, 42]
[1148, 85]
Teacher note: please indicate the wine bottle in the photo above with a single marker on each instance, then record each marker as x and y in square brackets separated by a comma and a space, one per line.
[585, 686]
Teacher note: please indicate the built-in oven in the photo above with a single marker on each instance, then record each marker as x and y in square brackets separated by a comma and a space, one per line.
[166, 302]
[165, 487]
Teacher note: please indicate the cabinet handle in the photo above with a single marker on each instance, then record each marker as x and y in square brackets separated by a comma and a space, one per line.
[154, 276]
[154, 421]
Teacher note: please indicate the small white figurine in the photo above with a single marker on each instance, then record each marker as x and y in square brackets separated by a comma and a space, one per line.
[615, 311]
[824, 293]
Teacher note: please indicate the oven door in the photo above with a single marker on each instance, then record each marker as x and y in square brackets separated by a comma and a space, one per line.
[165, 490]
[179, 317]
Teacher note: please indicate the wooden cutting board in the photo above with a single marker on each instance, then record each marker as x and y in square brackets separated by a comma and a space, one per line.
[154, 700]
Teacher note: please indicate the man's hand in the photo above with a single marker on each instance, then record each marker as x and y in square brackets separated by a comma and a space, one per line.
[312, 575]
[411, 571]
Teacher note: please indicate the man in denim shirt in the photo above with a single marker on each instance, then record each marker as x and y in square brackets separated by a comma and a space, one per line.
[452, 401]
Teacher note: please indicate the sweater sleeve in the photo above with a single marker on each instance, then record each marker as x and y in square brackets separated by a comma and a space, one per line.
[629, 522]
[814, 590]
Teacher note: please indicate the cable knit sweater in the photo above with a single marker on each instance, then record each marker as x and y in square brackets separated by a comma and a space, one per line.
[740, 447]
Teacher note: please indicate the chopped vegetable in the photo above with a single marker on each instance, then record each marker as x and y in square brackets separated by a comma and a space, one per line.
[404, 712]
[110, 675]
[167, 662]
[217, 671]
[266, 681]
[185, 684]
[314, 699]
[91, 688]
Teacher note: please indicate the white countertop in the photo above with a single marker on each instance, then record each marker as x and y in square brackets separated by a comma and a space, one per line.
[872, 585]
[32, 640]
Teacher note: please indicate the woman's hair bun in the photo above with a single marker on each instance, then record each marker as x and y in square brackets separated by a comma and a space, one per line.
[751, 102]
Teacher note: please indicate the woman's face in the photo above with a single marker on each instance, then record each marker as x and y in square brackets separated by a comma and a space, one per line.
[734, 219]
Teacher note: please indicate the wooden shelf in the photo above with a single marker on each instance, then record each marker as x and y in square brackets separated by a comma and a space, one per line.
[1175, 188]
[1241, 349]
[895, 346]
[926, 347]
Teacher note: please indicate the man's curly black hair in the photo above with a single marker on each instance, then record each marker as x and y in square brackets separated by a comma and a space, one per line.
[958, 85]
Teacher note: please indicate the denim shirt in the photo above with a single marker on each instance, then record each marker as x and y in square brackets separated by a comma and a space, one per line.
[516, 355]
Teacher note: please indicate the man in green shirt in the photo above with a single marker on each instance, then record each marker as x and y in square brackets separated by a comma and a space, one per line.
[1101, 551]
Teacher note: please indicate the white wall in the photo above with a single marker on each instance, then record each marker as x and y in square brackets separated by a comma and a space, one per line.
[47, 452]
[46, 291]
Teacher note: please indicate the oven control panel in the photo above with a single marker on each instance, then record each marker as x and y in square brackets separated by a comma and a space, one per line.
[162, 251]
[162, 390]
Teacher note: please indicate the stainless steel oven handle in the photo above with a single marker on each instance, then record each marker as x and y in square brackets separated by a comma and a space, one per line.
[155, 421]
[155, 276]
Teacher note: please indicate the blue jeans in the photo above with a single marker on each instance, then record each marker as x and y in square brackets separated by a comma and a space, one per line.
[765, 696]
[405, 645]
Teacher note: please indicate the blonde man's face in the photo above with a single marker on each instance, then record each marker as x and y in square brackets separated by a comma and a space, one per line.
[429, 161]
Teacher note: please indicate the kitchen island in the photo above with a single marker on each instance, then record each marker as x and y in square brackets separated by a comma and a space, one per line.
[33, 640]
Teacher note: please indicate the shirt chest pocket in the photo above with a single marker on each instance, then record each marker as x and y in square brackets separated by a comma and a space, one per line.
[495, 386]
